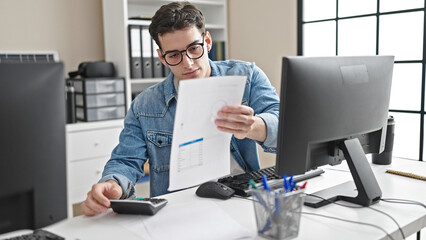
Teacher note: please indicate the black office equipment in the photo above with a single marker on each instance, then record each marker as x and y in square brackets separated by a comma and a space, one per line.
[385, 158]
[97, 69]
[240, 182]
[32, 144]
[38, 234]
[214, 190]
[70, 100]
[144, 206]
[334, 108]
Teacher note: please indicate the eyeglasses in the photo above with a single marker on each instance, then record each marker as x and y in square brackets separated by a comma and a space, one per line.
[193, 51]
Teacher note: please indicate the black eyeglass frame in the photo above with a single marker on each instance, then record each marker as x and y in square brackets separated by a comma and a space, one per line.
[185, 51]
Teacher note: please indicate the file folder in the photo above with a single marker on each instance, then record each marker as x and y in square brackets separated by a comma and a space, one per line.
[220, 51]
[147, 64]
[166, 71]
[135, 51]
[157, 64]
[212, 53]
[217, 52]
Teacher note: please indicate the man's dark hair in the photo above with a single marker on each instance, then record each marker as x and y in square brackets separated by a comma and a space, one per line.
[175, 16]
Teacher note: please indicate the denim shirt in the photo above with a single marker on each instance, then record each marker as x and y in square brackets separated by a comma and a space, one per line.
[148, 129]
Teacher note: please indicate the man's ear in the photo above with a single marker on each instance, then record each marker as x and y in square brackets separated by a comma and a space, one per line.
[209, 41]
[160, 56]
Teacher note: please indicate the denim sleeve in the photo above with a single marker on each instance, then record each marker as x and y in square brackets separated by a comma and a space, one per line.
[126, 185]
[126, 163]
[266, 104]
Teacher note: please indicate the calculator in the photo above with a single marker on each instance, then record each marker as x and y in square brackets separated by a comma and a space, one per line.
[143, 206]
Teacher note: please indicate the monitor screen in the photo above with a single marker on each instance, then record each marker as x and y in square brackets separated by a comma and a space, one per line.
[334, 108]
[32, 145]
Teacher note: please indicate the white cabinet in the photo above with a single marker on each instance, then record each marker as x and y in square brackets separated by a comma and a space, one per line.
[116, 15]
[89, 147]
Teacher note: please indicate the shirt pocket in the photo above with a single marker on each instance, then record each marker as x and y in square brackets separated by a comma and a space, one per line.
[159, 148]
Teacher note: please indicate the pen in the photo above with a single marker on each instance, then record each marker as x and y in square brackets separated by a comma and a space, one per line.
[285, 183]
[265, 183]
[290, 181]
[293, 185]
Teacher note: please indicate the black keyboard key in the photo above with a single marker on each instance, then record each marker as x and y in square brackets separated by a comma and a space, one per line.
[38, 234]
[242, 188]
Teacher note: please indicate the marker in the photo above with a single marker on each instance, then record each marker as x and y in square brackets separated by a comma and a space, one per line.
[252, 184]
[293, 185]
[285, 183]
[290, 181]
[265, 183]
[304, 185]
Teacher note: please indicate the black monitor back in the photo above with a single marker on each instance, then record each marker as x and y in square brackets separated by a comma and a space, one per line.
[32, 145]
[328, 99]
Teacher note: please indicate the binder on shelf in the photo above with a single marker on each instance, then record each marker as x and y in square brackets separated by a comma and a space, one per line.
[217, 52]
[220, 51]
[144, 60]
[166, 71]
[157, 64]
[212, 53]
[135, 51]
[148, 68]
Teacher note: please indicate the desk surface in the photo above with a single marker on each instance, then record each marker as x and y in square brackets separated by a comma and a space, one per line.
[411, 218]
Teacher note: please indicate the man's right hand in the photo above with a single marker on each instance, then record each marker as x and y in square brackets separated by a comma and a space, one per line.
[97, 200]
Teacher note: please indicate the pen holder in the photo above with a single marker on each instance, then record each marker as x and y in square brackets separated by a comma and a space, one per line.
[278, 213]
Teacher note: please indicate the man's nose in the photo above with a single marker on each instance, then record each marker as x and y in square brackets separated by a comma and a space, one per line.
[186, 60]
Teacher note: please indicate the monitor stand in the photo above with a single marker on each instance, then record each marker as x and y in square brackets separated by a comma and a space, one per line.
[363, 191]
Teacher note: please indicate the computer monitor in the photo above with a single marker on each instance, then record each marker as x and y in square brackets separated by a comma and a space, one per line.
[334, 108]
[32, 145]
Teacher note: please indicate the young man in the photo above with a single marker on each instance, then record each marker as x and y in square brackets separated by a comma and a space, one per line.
[178, 29]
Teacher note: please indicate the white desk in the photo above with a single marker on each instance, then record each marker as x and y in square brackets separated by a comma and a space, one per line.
[411, 218]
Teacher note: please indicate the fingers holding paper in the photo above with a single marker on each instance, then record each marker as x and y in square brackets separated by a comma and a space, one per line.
[240, 121]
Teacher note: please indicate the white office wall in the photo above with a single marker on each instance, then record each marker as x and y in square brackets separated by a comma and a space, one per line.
[73, 28]
[263, 32]
[259, 31]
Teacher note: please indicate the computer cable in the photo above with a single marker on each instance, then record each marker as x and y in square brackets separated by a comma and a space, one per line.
[245, 198]
[350, 221]
[393, 219]
[403, 201]
[351, 206]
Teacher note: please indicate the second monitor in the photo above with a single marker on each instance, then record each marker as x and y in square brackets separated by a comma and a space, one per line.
[334, 108]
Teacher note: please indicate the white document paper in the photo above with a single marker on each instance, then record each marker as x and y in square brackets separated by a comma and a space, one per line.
[188, 221]
[200, 152]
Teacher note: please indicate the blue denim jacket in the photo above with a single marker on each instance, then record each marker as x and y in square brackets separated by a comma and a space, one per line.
[148, 129]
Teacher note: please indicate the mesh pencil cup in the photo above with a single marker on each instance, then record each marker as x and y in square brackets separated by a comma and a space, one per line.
[278, 213]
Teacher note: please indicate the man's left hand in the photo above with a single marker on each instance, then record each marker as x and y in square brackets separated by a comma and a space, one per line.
[239, 120]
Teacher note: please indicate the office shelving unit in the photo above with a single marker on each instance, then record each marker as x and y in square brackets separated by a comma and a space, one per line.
[116, 14]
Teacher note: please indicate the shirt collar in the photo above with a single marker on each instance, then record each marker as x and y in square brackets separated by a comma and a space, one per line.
[170, 91]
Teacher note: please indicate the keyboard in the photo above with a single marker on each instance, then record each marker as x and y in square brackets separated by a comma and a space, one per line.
[144, 206]
[240, 182]
[38, 234]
